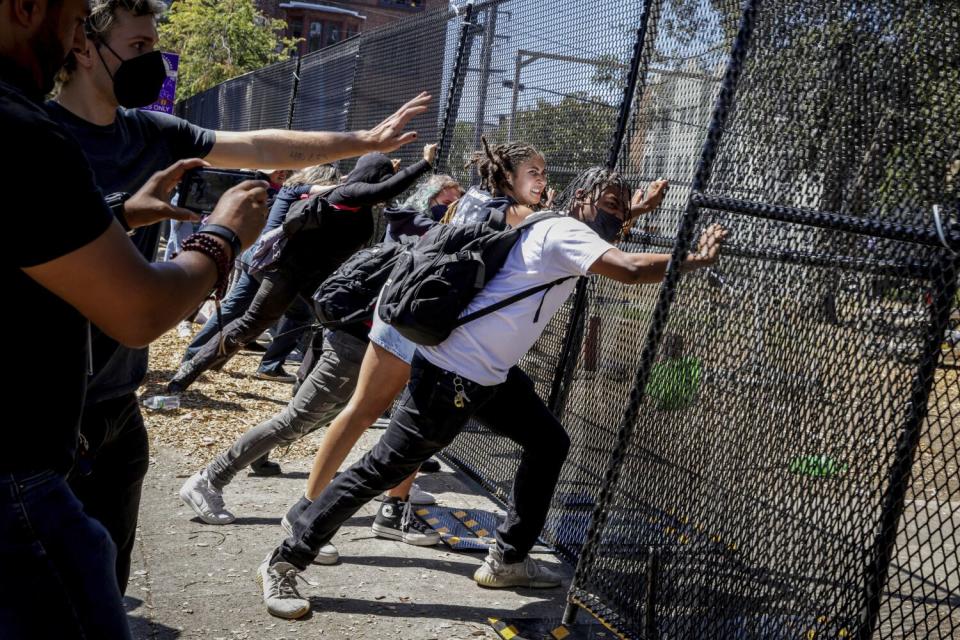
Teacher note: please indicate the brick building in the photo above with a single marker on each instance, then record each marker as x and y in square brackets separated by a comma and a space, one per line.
[325, 22]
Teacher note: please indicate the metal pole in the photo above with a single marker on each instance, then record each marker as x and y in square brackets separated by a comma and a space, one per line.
[517, 65]
[565, 365]
[564, 370]
[293, 93]
[490, 30]
[900, 473]
[629, 90]
[650, 594]
[667, 292]
[456, 88]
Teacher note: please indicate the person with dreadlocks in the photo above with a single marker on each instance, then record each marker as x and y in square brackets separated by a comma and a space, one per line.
[474, 374]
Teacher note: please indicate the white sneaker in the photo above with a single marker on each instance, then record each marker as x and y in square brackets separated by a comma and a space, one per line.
[329, 554]
[185, 329]
[205, 499]
[396, 521]
[418, 497]
[278, 584]
[497, 574]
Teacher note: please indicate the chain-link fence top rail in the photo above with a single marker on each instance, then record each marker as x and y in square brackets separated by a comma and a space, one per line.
[760, 483]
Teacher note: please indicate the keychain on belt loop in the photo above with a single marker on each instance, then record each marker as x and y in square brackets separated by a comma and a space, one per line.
[460, 398]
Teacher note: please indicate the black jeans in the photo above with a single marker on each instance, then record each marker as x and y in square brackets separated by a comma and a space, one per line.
[108, 475]
[278, 290]
[56, 564]
[426, 421]
[293, 324]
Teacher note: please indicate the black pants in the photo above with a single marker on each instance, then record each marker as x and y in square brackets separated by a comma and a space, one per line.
[58, 564]
[278, 290]
[108, 476]
[426, 421]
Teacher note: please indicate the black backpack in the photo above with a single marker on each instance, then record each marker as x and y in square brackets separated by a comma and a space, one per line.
[435, 279]
[307, 214]
[349, 294]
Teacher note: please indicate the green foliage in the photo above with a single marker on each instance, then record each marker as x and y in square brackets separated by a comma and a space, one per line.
[220, 39]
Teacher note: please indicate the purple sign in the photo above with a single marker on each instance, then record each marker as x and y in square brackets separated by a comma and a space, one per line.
[169, 90]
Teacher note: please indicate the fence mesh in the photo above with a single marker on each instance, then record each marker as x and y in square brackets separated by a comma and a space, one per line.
[766, 448]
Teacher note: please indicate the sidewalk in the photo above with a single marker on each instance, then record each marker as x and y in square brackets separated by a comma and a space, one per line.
[193, 580]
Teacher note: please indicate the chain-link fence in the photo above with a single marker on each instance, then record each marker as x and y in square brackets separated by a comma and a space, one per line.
[766, 448]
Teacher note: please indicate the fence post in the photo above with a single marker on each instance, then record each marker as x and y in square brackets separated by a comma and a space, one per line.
[293, 92]
[665, 300]
[629, 89]
[483, 85]
[900, 472]
[456, 88]
[564, 368]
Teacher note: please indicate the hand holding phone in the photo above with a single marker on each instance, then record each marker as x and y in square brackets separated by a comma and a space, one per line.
[201, 189]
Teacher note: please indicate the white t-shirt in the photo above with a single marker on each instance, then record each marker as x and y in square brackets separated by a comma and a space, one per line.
[484, 350]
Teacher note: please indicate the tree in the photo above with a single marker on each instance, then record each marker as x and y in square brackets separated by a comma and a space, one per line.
[220, 39]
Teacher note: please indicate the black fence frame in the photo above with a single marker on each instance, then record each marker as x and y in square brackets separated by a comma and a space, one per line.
[943, 267]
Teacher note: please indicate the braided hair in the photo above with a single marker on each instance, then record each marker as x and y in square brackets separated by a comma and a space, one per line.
[494, 164]
[594, 181]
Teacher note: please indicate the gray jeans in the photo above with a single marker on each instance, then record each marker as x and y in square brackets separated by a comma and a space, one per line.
[321, 396]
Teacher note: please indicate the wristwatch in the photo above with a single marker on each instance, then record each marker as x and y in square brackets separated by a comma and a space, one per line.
[116, 201]
[225, 233]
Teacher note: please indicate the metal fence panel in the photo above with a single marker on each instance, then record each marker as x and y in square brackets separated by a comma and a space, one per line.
[762, 461]
[767, 448]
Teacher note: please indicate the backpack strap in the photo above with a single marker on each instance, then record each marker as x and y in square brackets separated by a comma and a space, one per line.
[526, 293]
[539, 216]
[496, 306]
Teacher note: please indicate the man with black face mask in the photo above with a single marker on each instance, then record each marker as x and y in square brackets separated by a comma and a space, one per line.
[71, 261]
[101, 85]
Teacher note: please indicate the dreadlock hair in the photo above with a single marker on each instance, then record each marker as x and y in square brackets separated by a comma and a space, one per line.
[594, 181]
[494, 164]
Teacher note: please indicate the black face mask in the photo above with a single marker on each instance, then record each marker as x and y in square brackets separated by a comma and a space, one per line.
[606, 225]
[437, 211]
[137, 81]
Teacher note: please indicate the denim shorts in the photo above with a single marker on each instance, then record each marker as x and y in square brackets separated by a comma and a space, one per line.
[386, 337]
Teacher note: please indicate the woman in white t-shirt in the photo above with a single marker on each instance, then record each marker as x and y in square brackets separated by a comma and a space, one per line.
[516, 176]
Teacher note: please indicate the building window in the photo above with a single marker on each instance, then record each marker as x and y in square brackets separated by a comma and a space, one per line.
[333, 33]
[316, 36]
[296, 29]
[409, 5]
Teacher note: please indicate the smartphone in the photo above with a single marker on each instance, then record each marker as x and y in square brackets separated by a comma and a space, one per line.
[201, 189]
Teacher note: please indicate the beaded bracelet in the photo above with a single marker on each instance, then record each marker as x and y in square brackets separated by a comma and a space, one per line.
[209, 247]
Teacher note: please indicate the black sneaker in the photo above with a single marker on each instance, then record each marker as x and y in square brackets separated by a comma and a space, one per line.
[263, 466]
[254, 347]
[277, 375]
[185, 376]
[430, 466]
[396, 521]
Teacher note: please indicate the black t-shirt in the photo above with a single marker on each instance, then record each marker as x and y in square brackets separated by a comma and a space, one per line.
[123, 156]
[50, 337]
